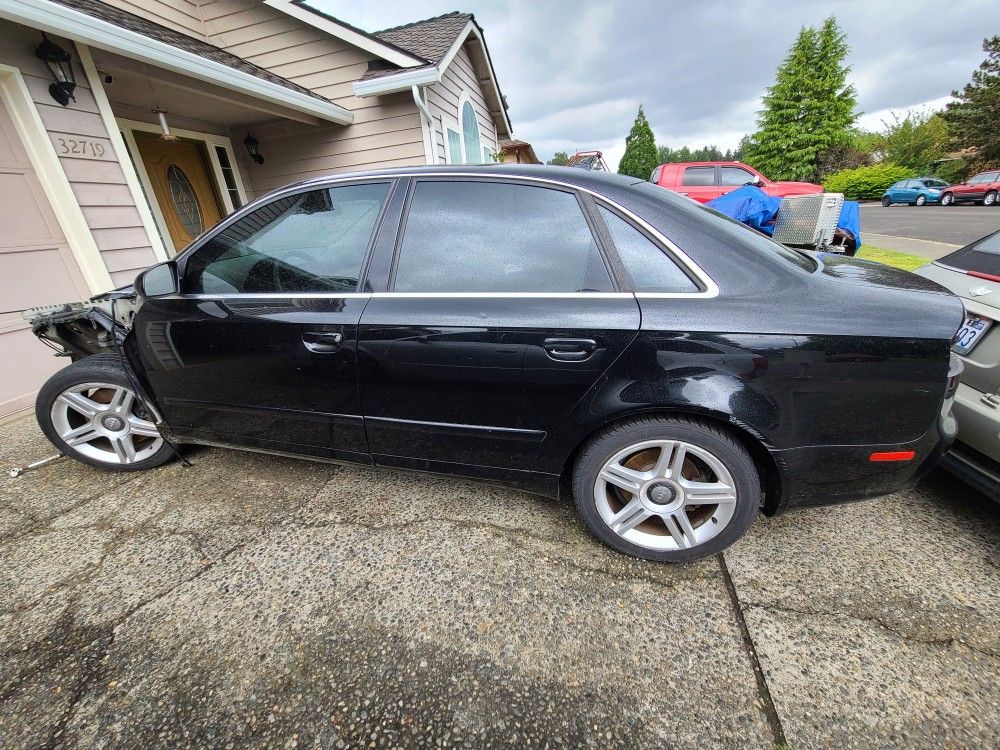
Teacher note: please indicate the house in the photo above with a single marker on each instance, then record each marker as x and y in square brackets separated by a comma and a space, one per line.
[127, 127]
[518, 152]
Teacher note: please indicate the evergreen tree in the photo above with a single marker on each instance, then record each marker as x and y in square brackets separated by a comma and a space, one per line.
[809, 108]
[972, 120]
[640, 157]
[559, 158]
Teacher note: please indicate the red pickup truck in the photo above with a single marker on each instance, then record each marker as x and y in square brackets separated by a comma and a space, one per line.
[705, 180]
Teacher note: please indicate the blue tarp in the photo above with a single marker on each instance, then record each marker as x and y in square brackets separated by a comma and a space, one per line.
[752, 206]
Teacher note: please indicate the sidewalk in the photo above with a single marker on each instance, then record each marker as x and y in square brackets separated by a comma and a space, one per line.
[924, 248]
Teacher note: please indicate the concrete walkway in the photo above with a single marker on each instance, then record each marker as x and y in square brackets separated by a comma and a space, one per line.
[255, 601]
[924, 248]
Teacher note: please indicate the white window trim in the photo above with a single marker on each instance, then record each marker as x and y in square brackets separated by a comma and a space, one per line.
[54, 182]
[128, 129]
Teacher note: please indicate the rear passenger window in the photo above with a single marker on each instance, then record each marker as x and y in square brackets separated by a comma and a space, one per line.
[486, 237]
[651, 269]
[699, 176]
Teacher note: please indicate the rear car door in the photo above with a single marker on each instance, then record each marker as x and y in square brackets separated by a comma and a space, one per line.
[499, 313]
[259, 347]
[700, 183]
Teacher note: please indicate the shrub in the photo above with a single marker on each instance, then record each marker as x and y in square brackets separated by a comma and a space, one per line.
[866, 183]
[953, 170]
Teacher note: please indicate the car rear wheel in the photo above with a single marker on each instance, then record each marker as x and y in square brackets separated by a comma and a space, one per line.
[886, 201]
[990, 199]
[921, 200]
[947, 199]
[91, 413]
[670, 490]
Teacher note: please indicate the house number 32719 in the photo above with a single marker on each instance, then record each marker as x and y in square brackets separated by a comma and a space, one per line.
[80, 147]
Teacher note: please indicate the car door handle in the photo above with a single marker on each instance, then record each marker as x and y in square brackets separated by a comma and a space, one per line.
[322, 342]
[569, 350]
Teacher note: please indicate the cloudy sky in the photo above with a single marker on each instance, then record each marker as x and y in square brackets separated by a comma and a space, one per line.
[574, 73]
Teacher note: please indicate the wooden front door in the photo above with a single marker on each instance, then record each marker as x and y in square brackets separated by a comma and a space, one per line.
[182, 186]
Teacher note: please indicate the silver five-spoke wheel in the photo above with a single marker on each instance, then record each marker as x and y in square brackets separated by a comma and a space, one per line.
[665, 494]
[105, 423]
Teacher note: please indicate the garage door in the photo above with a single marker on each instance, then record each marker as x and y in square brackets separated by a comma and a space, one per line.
[37, 267]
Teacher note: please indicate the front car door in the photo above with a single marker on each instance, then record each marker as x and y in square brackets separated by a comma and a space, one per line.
[734, 177]
[259, 347]
[499, 312]
[700, 183]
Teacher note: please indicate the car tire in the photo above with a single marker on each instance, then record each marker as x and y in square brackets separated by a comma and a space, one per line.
[921, 200]
[90, 412]
[947, 199]
[669, 464]
[990, 199]
[886, 201]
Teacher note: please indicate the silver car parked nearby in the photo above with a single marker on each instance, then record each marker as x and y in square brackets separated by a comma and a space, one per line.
[973, 273]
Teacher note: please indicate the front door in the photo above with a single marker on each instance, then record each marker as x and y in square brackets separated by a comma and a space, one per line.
[181, 184]
[259, 347]
[501, 314]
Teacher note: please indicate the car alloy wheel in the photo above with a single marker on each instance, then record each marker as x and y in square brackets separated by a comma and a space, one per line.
[665, 495]
[105, 423]
[947, 199]
[990, 199]
[921, 200]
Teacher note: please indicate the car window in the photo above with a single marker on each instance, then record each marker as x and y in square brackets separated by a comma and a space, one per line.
[307, 242]
[935, 183]
[651, 269]
[896, 186]
[990, 177]
[914, 185]
[736, 176]
[699, 176]
[982, 256]
[471, 236]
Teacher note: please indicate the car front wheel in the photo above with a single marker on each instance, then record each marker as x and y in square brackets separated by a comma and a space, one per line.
[947, 199]
[921, 200]
[90, 412]
[886, 201]
[666, 489]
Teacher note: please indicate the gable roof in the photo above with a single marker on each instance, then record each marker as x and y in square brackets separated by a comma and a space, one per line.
[431, 38]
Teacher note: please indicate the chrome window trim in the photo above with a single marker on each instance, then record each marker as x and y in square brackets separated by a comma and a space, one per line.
[710, 291]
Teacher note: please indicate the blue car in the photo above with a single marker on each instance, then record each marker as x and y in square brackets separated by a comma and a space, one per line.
[916, 192]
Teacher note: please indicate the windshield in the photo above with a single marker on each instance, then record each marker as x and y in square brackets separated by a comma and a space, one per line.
[720, 224]
[935, 183]
[982, 256]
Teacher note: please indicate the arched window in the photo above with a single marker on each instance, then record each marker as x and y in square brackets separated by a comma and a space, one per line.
[470, 134]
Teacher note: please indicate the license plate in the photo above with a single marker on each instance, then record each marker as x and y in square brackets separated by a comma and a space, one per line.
[970, 334]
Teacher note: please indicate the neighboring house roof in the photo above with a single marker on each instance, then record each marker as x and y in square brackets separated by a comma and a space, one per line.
[523, 151]
[132, 22]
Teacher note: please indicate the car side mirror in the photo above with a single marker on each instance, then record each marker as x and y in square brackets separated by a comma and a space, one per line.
[158, 281]
[757, 180]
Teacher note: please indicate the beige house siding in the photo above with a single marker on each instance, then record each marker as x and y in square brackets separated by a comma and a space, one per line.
[443, 99]
[96, 178]
[386, 130]
[179, 15]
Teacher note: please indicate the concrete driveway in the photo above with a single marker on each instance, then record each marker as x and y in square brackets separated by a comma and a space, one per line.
[253, 601]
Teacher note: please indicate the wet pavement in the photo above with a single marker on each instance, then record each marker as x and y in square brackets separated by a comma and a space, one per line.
[256, 601]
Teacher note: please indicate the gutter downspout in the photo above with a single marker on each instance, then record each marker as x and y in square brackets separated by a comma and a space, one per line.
[425, 115]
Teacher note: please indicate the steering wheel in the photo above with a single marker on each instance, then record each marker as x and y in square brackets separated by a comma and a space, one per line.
[285, 278]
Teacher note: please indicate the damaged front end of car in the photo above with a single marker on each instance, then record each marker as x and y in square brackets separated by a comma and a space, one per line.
[79, 329]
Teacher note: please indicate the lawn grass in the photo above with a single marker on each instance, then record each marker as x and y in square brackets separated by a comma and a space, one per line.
[891, 257]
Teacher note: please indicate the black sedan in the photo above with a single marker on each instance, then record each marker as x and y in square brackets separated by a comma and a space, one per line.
[557, 330]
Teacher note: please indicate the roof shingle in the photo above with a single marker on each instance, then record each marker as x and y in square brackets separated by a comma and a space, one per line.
[431, 38]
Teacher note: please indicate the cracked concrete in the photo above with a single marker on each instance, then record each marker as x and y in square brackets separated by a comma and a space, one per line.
[255, 601]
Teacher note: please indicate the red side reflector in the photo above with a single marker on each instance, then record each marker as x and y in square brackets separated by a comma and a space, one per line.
[981, 275]
[892, 456]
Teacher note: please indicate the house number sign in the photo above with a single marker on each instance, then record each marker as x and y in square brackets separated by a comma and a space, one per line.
[84, 148]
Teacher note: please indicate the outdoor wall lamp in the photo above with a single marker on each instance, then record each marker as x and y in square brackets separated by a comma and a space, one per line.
[253, 148]
[61, 68]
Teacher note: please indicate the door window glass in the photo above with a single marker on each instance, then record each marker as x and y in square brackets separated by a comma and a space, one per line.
[185, 201]
[651, 269]
[307, 242]
[736, 176]
[473, 236]
[699, 176]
